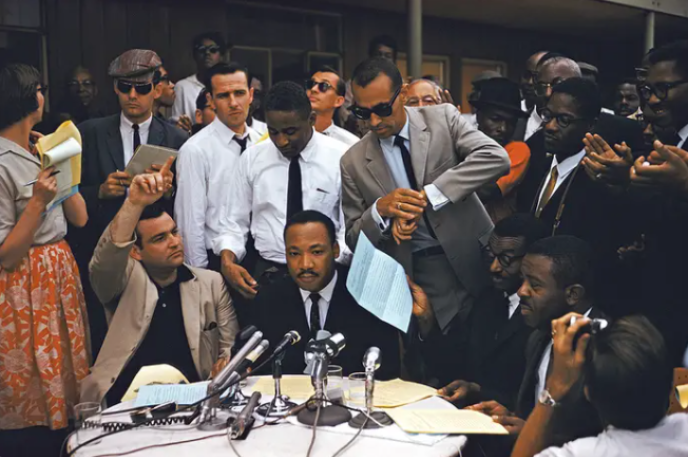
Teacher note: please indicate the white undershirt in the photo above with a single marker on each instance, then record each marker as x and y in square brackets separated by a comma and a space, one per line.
[324, 302]
[126, 130]
[683, 133]
[564, 169]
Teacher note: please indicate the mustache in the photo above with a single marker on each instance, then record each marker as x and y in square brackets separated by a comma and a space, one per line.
[307, 272]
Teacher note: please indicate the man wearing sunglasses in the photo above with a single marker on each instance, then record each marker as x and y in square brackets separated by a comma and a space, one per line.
[208, 49]
[410, 185]
[326, 90]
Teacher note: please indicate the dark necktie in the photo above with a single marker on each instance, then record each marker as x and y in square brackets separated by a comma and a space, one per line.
[294, 191]
[315, 314]
[408, 168]
[242, 142]
[137, 137]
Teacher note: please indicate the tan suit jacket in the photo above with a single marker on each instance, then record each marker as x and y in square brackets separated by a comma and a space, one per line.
[130, 298]
[448, 153]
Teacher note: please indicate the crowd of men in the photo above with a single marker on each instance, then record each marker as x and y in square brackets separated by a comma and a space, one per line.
[512, 217]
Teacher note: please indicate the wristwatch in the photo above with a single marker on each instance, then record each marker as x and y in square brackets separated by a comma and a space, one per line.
[546, 399]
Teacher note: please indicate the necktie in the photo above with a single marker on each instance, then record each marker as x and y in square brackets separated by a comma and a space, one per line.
[241, 141]
[553, 176]
[137, 137]
[315, 314]
[294, 191]
[408, 168]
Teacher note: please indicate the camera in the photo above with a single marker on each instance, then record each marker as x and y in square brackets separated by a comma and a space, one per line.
[592, 327]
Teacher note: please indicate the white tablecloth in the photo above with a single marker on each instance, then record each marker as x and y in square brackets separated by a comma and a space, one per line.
[282, 440]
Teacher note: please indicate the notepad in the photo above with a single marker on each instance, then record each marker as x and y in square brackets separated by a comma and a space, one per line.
[148, 155]
[154, 375]
[182, 394]
[296, 387]
[391, 394]
[682, 395]
[62, 150]
[441, 421]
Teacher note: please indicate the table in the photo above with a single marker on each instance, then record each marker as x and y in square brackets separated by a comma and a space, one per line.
[282, 440]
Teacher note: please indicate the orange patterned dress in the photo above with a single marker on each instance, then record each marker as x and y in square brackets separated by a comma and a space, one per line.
[44, 340]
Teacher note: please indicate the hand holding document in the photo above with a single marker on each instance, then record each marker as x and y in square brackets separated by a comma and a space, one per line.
[450, 421]
[146, 156]
[378, 283]
[62, 150]
[390, 394]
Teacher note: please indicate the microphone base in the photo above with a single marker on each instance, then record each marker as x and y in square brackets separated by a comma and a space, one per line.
[217, 422]
[329, 415]
[278, 407]
[379, 416]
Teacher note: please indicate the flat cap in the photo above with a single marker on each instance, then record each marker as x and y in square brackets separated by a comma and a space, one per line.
[136, 65]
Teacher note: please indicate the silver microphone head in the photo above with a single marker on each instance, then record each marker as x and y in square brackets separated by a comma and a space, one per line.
[295, 336]
[372, 358]
[338, 343]
[322, 335]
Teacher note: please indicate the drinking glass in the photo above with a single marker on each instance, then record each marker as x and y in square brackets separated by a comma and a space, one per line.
[89, 411]
[335, 383]
[356, 390]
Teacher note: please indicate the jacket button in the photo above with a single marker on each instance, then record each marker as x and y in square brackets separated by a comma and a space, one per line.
[112, 381]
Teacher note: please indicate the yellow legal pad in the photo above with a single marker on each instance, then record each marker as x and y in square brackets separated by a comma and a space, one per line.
[62, 150]
[682, 395]
[445, 421]
[296, 386]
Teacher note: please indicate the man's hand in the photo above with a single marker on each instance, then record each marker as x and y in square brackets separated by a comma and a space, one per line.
[633, 251]
[491, 408]
[238, 277]
[446, 97]
[404, 204]
[115, 185]
[146, 189]
[458, 390]
[604, 164]
[45, 188]
[402, 229]
[157, 167]
[567, 362]
[219, 365]
[667, 168]
[421, 308]
[184, 123]
[512, 424]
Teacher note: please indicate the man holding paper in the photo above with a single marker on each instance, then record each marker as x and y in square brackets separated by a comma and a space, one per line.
[160, 310]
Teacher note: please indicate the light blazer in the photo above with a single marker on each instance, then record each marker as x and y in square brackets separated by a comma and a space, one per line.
[130, 297]
[448, 153]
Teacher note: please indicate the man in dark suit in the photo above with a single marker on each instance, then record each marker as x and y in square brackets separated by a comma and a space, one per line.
[314, 297]
[108, 145]
[557, 279]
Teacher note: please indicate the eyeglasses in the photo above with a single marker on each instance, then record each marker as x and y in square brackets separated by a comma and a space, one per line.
[661, 90]
[323, 86]
[504, 260]
[86, 83]
[381, 109]
[164, 79]
[563, 120]
[214, 49]
[141, 89]
[542, 88]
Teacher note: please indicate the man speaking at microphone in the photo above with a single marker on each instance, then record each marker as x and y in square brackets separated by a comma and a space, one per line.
[314, 297]
[160, 311]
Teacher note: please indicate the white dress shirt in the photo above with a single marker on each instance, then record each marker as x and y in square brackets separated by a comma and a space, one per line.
[421, 238]
[514, 301]
[669, 438]
[257, 197]
[341, 134]
[564, 169]
[205, 165]
[533, 125]
[259, 126]
[683, 134]
[126, 130]
[186, 91]
[323, 303]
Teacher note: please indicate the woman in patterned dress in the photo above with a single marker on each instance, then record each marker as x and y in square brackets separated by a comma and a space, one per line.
[44, 342]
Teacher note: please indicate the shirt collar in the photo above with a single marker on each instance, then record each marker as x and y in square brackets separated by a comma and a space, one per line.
[514, 301]
[683, 133]
[326, 293]
[226, 134]
[567, 165]
[329, 130]
[11, 146]
[404, 133]
[184, 274]
[145, 125]
[310, 149]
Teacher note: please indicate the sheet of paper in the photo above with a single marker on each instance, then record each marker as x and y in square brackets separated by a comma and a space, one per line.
[378, 283]
[682, 395]
[296, 387]
[390, 394]
[182, 394]
[62, 149]
[147, 155]
[456, 421]
[154, 375]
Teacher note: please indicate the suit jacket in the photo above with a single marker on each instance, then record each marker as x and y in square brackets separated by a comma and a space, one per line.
[279, 308]
[575, 417]
[448, 153]
[130, 297]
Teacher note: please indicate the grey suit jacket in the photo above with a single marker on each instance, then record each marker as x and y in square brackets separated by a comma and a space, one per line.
[448, 153]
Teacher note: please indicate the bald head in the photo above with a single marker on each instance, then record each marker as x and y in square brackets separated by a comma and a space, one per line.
[532, 62]
[551, 72]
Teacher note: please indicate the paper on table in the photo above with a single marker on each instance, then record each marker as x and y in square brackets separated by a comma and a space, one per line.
[390, 394]
[154, 374]
[456, 421]
[182, 394]
[62, 149]
[147, 155]
[297, 386]
[378, 283]
[682, 395]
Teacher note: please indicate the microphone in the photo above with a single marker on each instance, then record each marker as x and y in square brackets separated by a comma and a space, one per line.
[291, 338]
[245, 417]
[247, 333]
[222, 376]
[247, 362]
[371, 362]
[372, 359]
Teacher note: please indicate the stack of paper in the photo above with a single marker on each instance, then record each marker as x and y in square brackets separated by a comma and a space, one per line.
[154, 375]
[148, 155]
[390, 394]
[62, 149]
[454, 421]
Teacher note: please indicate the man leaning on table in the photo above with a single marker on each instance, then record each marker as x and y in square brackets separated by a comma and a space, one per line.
[160, 310]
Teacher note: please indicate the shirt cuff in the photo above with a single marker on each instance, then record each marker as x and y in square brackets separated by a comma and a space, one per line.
[435, 196]
[382, 224]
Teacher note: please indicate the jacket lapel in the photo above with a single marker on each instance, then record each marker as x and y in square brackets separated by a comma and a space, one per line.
[378, 166]
[114, 143]
[526, 394]
[419, 139]
[157, 132]
[191, 302]
[512, 326]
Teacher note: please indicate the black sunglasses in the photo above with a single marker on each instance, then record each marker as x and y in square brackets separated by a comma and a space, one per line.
[661, 90]
[208, 49]
[323, 86]
[381, 109]
[141, 89]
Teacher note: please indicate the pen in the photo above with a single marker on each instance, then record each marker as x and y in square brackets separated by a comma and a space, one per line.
[30, 183]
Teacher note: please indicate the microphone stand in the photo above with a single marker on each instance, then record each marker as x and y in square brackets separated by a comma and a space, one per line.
[380, 417]
[329, 415]
[280, 404]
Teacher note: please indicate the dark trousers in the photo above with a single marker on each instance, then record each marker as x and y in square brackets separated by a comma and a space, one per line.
[32, 442]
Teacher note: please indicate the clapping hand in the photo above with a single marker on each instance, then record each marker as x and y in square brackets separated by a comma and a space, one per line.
[148, 188]
[604, 164]
[666, 167]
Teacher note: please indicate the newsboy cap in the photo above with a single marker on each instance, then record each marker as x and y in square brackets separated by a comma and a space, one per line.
[137, 65]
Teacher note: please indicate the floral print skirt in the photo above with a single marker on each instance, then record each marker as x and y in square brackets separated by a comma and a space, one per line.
[44, 339]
